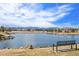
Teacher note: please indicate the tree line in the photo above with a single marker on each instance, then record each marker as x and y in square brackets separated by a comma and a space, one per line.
[67, 30]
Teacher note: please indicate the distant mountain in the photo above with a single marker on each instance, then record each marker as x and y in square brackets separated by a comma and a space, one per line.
[33, 28]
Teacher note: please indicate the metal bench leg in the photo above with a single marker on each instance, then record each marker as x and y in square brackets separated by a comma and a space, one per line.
[71, 46]
[76, 46]
[56, 48]
[53, 47]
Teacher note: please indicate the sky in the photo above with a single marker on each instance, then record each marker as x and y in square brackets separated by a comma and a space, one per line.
[39, 14]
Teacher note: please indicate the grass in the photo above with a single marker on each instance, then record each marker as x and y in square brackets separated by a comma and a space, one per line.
[37, 52]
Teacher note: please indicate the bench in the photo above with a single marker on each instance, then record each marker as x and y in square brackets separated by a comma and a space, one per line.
[63, 43]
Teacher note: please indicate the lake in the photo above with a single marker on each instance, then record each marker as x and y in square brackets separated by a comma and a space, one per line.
[37, 40]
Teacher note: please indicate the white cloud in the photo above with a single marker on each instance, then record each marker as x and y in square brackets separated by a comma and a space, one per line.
[31, 14]
[67, 24]
[43, 24]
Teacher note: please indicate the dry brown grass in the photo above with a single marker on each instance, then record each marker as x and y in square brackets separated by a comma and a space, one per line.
[37, 52]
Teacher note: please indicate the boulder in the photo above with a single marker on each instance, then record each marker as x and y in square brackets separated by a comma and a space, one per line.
[30, 47]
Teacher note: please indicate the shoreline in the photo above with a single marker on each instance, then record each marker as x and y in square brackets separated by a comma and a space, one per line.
[45, 51]
[36, 32]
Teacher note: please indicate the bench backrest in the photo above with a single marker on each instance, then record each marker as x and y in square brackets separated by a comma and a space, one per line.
[68, 42]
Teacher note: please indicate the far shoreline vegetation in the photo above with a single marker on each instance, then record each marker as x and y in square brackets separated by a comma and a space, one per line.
[38, 29]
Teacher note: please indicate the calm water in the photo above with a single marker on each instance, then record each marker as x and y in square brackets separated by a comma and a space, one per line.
[37, 40]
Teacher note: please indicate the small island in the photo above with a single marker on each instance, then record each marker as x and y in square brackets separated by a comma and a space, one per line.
[5, 35]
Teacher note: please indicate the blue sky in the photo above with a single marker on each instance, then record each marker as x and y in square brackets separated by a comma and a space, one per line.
[39, 14]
